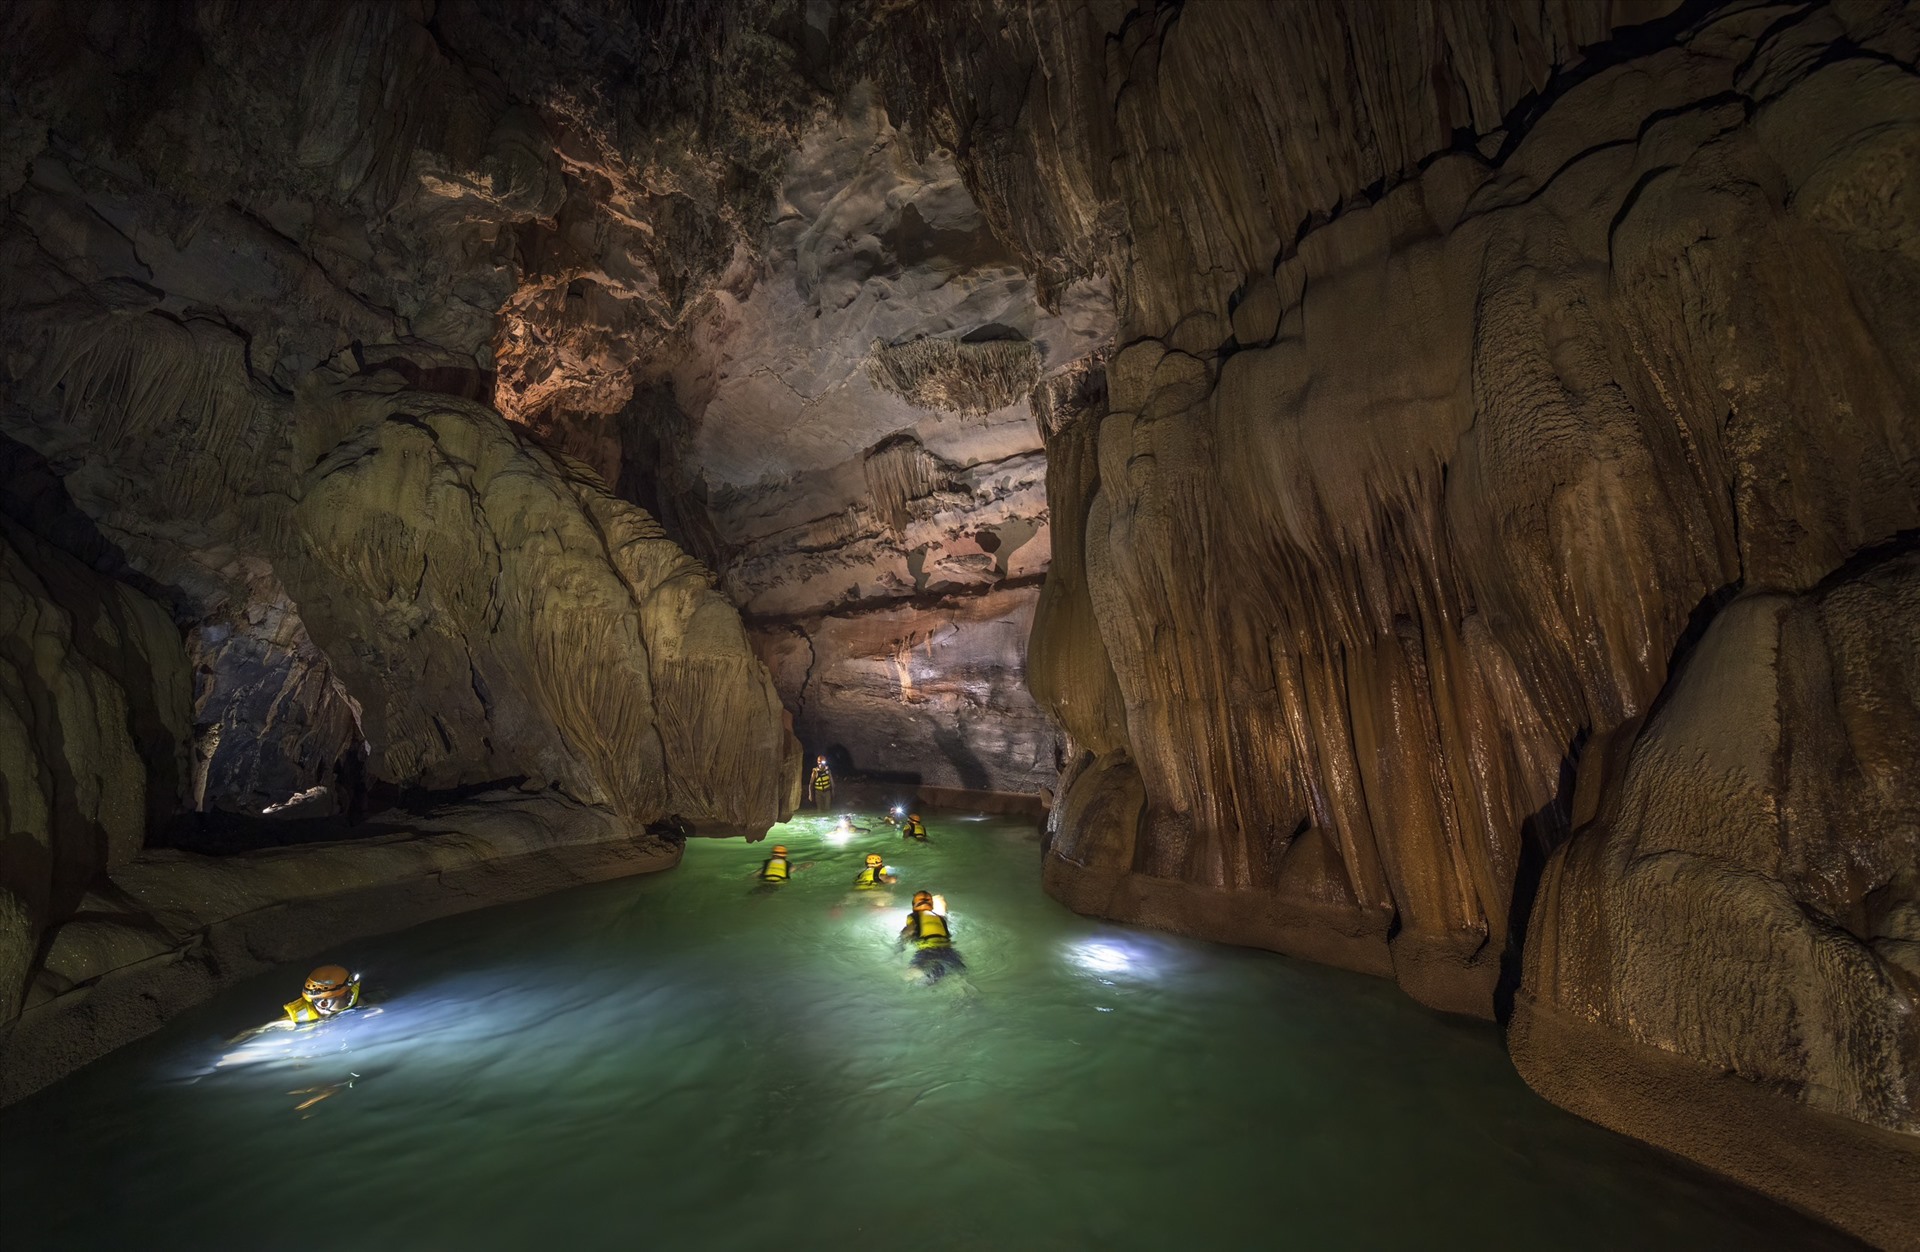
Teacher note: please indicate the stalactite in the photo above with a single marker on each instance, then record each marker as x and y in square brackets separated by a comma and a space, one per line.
[955, 376]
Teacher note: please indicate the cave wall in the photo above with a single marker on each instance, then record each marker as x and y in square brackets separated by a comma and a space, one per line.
[1746, 894]
[252, 323]
[93, 734]
[1461, 380]
[851, 439]
[936, 691]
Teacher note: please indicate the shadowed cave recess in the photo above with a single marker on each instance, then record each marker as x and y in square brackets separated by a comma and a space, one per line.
[1430, 489]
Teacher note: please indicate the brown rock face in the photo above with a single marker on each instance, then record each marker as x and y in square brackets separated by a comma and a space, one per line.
[938, 688]
[250, 320]
[1394, 500]
[93, 731]
[852, 434]
[1370, 585]
[1748, 897]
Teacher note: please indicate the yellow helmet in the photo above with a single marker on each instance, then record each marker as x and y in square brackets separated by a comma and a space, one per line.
[326, 982]
[874, 858]
[913, 817]
[922, 900]
[779, 849]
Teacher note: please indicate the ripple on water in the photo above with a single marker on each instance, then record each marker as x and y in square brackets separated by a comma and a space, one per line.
[691, 1061]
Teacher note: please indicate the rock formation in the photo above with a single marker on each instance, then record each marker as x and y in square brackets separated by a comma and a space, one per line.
[1425, 451]
[852, 420]
[250, 326]
[93, 736]
[936, 686]
[1746, 896]
[1441, 450]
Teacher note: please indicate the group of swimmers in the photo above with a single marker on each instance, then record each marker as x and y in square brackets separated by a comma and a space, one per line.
[331, 990]
[927, 929]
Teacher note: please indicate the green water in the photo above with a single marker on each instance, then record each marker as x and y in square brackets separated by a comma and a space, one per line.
[683, 1061]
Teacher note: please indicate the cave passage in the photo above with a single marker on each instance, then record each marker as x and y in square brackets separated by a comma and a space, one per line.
[688, 1060]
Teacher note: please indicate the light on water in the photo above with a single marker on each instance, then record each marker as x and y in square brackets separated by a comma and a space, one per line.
[698, 1060]
[1102, 957]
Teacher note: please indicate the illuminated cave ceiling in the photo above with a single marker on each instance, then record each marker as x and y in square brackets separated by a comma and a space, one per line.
[841, 427]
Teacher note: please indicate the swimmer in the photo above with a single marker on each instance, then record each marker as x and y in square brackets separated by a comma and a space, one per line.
[932, 939]
[875, 875]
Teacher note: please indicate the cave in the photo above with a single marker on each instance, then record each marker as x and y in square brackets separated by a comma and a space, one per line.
[1379, 540]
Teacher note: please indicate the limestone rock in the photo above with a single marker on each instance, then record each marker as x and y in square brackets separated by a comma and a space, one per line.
[1748, 894]
[1375, 586]
[956, 375]
[935, 692]
[93, 727]
[500, 615]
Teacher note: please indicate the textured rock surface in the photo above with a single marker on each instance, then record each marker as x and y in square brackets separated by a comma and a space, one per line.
[853, 425]
[935, 690]
[1407, 482]
[168, 929]
[1367, 586]
[1749, 893]
[93, 730]
[271, 718]
[250, 319]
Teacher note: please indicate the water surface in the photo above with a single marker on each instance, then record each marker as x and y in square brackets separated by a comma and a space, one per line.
[689, 1060]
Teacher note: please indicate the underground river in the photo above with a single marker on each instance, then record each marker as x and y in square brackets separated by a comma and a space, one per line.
[690, 1060]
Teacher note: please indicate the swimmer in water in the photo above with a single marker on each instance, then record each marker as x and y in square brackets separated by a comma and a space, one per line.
[875, 875]
[329, 992]
[927, 930]
[776, 868]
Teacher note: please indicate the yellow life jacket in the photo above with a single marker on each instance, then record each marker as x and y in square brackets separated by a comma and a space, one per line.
[822, 779]
[775, 870]
[914, 830]
[872, 876]
[301, 1011]
[930, 930]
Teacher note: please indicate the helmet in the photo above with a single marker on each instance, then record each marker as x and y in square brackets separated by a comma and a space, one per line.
[922, 900]
[779, 849]
[326, 982]
[874, 858]
[913, 817]
[820, 761]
